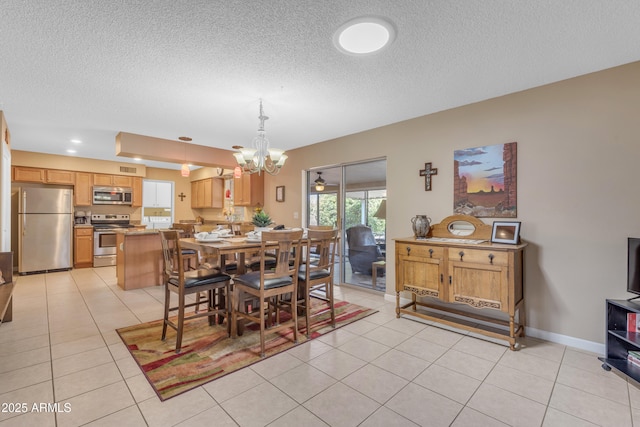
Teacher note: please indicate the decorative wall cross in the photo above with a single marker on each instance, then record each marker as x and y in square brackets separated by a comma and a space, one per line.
[427, 172]
[182, 196]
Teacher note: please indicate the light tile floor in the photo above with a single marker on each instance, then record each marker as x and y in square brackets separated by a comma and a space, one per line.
[62, 353]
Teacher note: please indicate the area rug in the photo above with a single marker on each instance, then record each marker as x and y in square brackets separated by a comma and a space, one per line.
[208, 354]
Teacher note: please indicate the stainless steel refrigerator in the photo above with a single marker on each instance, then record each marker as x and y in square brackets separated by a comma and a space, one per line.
[45, 226]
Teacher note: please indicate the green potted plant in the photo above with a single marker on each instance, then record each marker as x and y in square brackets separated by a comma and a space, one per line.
[261, 220]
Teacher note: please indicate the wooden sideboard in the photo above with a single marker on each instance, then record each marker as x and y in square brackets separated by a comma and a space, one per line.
[445, 272]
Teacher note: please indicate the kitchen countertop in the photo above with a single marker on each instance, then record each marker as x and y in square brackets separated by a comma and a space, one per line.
[83, 226]
[138, 232]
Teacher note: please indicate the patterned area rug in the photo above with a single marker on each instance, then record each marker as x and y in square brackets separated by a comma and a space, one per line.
[207, 353]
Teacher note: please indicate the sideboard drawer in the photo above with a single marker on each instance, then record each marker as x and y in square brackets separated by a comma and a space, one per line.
[422, 251]
[477, 256]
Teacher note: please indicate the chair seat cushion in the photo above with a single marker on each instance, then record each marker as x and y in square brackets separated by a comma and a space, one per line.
[313, 275]
[253, 280]
[254, 264]
[200, 277]
[230, 266]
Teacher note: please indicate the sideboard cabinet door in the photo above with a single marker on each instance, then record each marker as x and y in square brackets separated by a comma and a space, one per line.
[421, 270]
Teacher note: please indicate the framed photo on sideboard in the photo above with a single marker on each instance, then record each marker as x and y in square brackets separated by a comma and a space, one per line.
[506, 232]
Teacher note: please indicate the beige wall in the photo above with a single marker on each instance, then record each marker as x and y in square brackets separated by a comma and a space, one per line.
[578, 149]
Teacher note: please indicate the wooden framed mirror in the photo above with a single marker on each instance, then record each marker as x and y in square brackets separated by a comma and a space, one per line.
[461, 227]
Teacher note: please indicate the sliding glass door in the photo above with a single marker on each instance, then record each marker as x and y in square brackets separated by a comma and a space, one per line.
[352, 197]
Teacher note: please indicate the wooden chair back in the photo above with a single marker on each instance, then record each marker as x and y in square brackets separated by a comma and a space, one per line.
[197, 228]
[171, 253]
[186, 229]
[320, 251]
[287, 254]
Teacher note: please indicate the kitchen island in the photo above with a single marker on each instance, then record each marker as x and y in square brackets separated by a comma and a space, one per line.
[139, 259]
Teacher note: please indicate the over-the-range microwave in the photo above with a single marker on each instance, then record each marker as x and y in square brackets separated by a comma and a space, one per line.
[112, 195]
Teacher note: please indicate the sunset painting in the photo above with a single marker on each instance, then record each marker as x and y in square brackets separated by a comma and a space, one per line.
[485, 181]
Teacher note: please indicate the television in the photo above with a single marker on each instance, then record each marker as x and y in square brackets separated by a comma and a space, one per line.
[633, 266]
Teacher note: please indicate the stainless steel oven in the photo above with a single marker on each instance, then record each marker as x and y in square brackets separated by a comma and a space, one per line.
[105, 233]
[104, 247]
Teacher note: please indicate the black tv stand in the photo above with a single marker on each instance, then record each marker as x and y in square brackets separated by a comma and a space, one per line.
[620, 341]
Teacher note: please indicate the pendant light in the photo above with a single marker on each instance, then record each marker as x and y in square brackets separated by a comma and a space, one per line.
[184, 170]
[237, 172]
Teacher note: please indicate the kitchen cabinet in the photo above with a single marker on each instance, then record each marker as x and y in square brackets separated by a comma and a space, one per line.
[46, 176]
[83, 247]
[112, 180]
[248, 190]
[82, 189]
[136, 200]
[54, 176]
[207, 193]
[24, 174]
[449, 271]
[157, 194]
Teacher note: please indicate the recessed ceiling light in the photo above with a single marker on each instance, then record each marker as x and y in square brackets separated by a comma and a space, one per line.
[137, 159]
[76, 141]
[364, 36]
[71, 151]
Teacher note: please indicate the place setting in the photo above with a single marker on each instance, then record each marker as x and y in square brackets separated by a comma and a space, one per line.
[213, 236]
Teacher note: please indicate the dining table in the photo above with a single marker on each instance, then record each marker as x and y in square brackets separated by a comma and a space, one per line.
[225, 248]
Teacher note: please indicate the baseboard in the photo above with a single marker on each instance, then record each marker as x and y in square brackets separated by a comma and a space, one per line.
[578, 343]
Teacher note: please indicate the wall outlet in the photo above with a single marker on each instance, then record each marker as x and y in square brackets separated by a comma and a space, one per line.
[295, 215]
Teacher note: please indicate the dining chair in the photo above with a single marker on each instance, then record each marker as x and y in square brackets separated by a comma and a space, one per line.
[321, 227]
[268, 284]
[315, 276]
[236, 228]
[183, 283]
[192, 259]
[190, 256]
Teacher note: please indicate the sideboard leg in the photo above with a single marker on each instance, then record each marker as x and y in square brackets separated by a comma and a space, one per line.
[512, 328]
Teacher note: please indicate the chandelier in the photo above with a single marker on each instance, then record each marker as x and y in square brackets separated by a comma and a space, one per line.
[259, 157]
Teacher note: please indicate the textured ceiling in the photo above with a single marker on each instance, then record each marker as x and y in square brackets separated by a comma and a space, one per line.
[88, 69]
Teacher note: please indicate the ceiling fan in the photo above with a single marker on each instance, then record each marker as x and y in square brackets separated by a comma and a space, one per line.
[320, 183]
